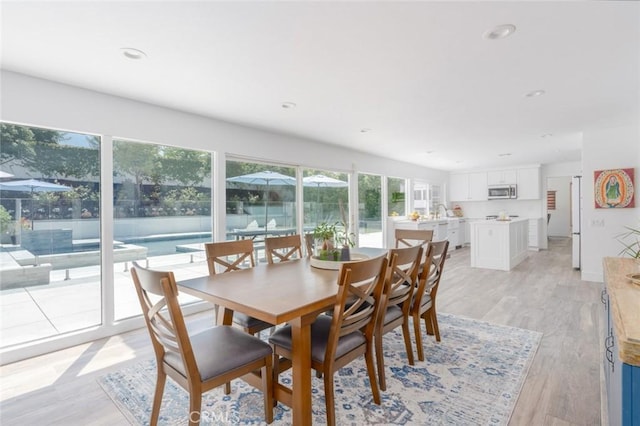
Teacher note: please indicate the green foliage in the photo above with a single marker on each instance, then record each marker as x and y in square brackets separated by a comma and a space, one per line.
[631, 242]
[43, 151]
[369, 193]
[186, 166]
[325, 231]
[5, 220]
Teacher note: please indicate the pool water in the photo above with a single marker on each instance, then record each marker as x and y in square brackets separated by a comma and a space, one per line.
[162, 247]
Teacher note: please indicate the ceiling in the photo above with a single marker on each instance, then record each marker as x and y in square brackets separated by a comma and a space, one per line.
[419, 75]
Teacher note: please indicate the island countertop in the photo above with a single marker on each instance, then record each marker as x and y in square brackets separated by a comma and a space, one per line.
[503, 221]
[624, 299]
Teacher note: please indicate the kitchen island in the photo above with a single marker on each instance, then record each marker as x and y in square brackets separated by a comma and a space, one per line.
[499, 244]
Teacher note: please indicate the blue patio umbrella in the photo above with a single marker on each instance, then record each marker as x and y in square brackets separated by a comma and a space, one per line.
[322, 181]
[31, 186]
[267, 178]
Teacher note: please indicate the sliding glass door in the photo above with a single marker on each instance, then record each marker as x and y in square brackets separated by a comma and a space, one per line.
[162, 214]
[370, 210]
[50, 275]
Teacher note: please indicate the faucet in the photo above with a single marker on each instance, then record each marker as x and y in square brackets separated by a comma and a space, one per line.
[438, 210]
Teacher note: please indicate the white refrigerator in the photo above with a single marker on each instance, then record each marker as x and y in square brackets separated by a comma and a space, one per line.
[576, 216]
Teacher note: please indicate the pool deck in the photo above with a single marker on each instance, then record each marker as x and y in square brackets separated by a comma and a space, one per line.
[72, 299]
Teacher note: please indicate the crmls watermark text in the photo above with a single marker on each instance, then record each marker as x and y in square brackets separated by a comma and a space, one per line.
[222, 417]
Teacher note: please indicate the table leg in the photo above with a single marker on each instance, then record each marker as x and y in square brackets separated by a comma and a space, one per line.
[225, 316]
[301, 365]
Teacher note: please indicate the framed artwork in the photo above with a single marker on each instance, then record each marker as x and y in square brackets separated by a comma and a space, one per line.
[614, 189]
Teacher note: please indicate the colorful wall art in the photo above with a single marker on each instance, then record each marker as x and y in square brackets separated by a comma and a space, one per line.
[614, 189]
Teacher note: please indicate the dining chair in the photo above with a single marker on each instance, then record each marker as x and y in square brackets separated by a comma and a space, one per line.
[412, 237]
[338, 339]
[309, 243]
[201, 361]
[229, 256]
[424, 303]
[402, 277]
[281, 249]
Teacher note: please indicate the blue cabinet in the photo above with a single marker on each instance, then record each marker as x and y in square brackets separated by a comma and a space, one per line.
[622, 380]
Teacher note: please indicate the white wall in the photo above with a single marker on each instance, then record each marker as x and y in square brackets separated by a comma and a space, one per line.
[560, 220]
[38, 102]
[609, 148]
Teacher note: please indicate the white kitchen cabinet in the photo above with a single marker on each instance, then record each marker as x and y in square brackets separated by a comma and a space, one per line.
[463, 238]
[439, 228]
[529, 185]
[502, 177]
[468, 186]
[535, 230]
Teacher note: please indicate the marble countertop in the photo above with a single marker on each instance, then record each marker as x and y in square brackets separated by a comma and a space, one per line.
[624, 303]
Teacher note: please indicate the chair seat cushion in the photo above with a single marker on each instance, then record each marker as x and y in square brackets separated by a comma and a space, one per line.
[245, 321]
[392, 314]
[320, 330]
[426, 301]
[220, 349]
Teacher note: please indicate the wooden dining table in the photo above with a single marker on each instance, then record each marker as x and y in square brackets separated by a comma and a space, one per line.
[293, 292]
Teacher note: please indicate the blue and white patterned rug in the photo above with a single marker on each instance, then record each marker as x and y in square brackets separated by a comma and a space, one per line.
[472, 377]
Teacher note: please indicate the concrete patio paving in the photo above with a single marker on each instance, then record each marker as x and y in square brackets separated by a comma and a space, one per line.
[35, 312]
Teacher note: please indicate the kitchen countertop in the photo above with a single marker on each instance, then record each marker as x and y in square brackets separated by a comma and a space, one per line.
[624, 299]
[501, 222]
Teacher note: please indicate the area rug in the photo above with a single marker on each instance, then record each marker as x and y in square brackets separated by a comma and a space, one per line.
[472, 377]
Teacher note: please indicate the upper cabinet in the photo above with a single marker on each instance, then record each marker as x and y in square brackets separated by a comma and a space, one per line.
[468, 186]
[472, 186]
[529, 183]
[502, 177]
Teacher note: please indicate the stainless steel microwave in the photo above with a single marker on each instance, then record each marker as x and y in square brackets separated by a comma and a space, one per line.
[502, 192]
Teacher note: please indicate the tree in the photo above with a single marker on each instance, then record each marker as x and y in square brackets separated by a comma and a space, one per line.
[42, 151]
[186, 166]
[137, 161]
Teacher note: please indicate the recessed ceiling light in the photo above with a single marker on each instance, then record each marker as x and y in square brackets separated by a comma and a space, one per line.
[429, 152]
[506, 154]
[546, 135]
[365, 130]
[288, 105]
[133, 53]
[501, 31]
[535, 93]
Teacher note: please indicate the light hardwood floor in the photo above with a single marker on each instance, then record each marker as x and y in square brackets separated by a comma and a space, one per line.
[543, 293]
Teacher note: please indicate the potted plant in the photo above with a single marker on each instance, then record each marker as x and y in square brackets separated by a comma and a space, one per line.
[346, 240]
[631, 242]
[325, 234]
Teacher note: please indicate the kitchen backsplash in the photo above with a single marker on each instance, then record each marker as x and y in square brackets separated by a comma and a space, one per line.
[480, 209]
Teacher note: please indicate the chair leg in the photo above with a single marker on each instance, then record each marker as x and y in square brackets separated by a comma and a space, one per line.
[407, 343]
[227, 388]
[418, 333]
[195, 403]
[380, 360]
[267, 389]
[329, 399]
[434, 323]
[157, 398]
[427, 323]
[368, 356]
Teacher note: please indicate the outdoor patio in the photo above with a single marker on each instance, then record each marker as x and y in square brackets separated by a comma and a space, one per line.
[65, 305]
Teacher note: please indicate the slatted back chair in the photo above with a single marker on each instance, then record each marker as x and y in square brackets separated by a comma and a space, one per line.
[282, 249]
[424, 303]
[402, 278]
[229, 256]
[412, 237]
[309, 243]
[338, 339]
[199, 362]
